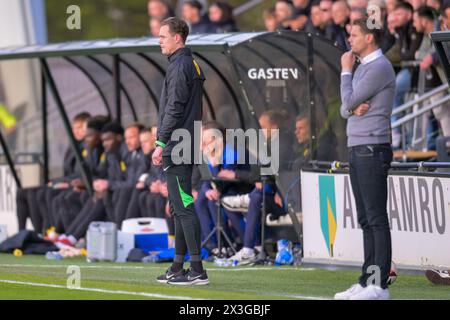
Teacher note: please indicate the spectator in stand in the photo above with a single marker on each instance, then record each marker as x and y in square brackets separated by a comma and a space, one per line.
[340, 13]
[154, 25]
[425, 22]
[192, 14]
[407, 42]
[302, 10]
[434, 4]
[355, 14]
[390, 5]
[445, 15]
[159, 9]
[358, 4]
[416, 4]
[270, 19]
[284, 11]
[331, 30]
[221, 17]
[378, 9]
[314, 24]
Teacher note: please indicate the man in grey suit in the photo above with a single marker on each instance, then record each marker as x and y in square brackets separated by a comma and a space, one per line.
[367, 96]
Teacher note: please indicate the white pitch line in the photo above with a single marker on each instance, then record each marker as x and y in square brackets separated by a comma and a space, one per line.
[151, 267]
[144, 294]
[260, 269]
[65, 266]
[306, 297]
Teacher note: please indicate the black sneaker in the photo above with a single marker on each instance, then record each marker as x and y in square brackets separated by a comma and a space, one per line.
[170, 275]
[190, 278]
[441, 277]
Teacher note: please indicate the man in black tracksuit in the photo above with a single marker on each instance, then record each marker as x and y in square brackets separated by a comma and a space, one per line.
[66, 205]
[147, 200]
[136, 164]
[112, 172]
[180, 106]
[30, 200]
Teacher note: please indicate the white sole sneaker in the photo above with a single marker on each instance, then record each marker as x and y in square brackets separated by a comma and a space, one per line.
[196, 282]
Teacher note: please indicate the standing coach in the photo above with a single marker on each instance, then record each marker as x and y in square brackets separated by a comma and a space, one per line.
[367, 98]
[180, 106]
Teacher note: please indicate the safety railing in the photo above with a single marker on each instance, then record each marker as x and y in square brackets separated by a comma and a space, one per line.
[332, 166]
[415, 109]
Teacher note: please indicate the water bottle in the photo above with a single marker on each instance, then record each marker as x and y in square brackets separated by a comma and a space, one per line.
[297, 251]
[284, 254]
[150, 258]
[222, 262]
[53, 255]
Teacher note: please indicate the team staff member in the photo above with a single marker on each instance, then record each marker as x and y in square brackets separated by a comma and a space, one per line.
[27, 199]
[180, 106]
[112, 173]
[69, 203]
[136, 165]
[367, 99]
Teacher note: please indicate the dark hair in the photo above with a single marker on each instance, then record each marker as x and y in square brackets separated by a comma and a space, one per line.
[83, 116]
[194, 4]
[136, 125]
[145, 130]
[302, 115]
[97, 122]
[113, 127]
[177, 26]
[269, 12]
[212, 124]
[276, 117]
[404, 5]
[445, 7]
[289, 2]
[363, 23]
[227, 10]
[315, 3]
[426, 12]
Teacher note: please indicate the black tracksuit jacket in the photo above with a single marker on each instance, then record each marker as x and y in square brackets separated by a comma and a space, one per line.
[181, 99]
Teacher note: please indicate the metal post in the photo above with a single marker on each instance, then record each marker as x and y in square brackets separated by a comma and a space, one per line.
[44, 128]
[10, 161]
[116, 77]
[311, 93]
[73, 143]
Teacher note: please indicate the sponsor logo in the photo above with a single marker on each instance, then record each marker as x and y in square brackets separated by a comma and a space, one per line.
[328, 211]
[273, 73]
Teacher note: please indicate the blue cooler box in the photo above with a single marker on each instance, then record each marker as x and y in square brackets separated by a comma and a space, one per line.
[150, 234]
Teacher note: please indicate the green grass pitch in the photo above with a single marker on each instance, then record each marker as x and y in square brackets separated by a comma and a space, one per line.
[34, 277]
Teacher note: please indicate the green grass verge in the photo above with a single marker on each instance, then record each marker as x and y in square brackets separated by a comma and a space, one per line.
[122, 280]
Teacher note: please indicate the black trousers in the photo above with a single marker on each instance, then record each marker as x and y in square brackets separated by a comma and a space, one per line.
[187, 225]
[369, 165]
[117, 204]
[27, 207]
[66, 207]
[45, 197]
[93, 210]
